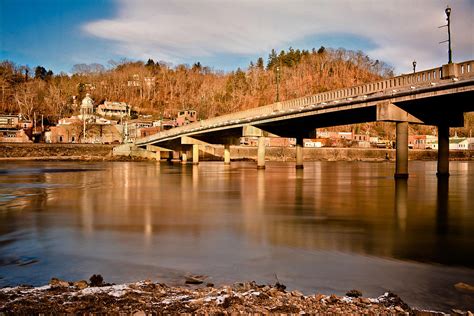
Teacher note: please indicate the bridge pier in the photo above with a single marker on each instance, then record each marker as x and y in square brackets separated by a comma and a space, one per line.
[170, 156]
[401, 169]
[443, 151]
[195, 154]
[184, 157]
[261, 153]
[227, 154]
[299, 152]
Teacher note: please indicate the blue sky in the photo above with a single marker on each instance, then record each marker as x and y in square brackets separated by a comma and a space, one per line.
[226, 34]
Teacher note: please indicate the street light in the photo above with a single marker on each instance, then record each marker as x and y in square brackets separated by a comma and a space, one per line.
[448, 14]
[278, 83]
[414, 66]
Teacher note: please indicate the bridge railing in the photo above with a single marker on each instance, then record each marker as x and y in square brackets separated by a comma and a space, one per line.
[406, 81]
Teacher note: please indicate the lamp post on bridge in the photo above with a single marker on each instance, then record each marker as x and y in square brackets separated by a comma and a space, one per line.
[448, 14]
[278, 84]
[414, 66]
[448, 18]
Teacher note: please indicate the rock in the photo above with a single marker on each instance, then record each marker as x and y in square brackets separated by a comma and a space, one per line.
[96, 280]
[280, 287]
[354, 293]
[82, 284]
[333, 299]
[319, 297]
[399, 309]
[464, 287]
[296, 293]
[458, 312]
[139, 313]
[210, 284]
[58, 283]
[364, 300]
[194, 279]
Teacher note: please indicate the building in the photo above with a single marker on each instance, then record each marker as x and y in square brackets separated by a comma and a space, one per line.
[164, 124]
[95, 133]
[422, 141]
[87, 108]
[186, 117]
[114, 109]
[459, 143]
[133, 129]
[14, 130]
[9, 121]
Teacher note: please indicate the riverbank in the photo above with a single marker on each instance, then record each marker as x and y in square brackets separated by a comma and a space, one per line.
[99, 152]
[145, 297]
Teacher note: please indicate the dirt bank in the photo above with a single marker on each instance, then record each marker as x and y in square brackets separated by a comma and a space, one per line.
[146, 297]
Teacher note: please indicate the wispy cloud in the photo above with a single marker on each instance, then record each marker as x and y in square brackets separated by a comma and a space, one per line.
[400, 31]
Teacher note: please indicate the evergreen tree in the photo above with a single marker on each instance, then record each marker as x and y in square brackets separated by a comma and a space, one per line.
[272, 59]
[40, 72]
[150, 63]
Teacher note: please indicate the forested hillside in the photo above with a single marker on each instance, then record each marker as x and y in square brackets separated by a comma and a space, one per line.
[161, 89]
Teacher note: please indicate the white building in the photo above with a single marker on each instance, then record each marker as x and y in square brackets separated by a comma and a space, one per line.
[114, 109]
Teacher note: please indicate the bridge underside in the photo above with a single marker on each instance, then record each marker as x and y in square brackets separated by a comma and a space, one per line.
[441, 110]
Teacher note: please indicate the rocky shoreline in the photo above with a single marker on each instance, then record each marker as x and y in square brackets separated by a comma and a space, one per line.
[147, 297]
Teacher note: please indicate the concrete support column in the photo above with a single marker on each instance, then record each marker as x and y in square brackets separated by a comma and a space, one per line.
[401, 169]
[170, 156]
[184, 157]
[299, 153]
[443, 151]
[261, 153]
[195, 154]
[227, 154]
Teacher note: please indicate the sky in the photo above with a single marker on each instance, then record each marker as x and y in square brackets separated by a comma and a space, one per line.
[226, 34]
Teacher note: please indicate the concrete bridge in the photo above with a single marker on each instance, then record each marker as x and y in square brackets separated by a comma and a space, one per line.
[438, 96]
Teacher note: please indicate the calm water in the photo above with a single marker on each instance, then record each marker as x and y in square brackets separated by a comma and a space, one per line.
[333, 227]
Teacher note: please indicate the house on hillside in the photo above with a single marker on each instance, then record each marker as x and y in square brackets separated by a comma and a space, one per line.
[14, 130]
[134, 127]
[186, 117]
[114, 109]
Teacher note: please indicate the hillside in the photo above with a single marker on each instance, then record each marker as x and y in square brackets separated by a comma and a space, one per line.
[161, 89]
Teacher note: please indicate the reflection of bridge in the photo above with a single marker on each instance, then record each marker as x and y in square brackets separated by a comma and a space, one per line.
[437, 96]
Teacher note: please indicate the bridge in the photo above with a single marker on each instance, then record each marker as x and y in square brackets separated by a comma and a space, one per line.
[438, 96]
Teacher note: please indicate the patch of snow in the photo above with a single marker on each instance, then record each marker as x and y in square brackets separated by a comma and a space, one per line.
[25, 291]
[381, 298]
[346, 299]
[220, 299]
[113, 290]
[174, 299]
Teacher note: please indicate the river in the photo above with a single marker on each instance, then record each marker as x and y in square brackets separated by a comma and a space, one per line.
[330, 228]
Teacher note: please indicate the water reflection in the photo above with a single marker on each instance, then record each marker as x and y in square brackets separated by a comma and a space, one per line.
[442, 206]
[401, 202]
[238, 221]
